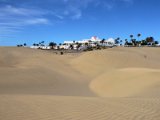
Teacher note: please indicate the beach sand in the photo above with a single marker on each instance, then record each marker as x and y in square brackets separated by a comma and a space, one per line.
[112, 84]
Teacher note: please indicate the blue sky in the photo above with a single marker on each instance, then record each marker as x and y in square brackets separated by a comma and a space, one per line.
[31, 21]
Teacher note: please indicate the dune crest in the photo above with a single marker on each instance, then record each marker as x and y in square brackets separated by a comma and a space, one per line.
[126, 82]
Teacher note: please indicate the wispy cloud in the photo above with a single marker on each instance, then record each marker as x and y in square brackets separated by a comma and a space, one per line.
[11, 10]
[37, 21]
[12, 19]
[15, 15]
[75, 9]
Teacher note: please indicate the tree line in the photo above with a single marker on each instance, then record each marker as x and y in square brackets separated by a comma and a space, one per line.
[148, 41]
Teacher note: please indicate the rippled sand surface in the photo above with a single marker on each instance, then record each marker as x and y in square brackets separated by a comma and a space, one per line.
[111, 84]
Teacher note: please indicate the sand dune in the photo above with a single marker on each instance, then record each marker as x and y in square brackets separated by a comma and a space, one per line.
[27, 71]
[93, 64]
[125, 82]
[111, 84]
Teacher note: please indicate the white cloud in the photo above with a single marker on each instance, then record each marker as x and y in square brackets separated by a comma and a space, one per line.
[13, 18]
[37, 21]
[77, 15]
[74, 9]
[17, 11]
[32, 12]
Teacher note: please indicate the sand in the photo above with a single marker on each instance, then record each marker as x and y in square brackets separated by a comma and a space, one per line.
[112, 84]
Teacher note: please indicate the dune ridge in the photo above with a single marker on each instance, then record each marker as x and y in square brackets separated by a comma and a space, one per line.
[112, 84]
[125, 82]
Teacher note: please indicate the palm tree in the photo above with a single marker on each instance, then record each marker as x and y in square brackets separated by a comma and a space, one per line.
[78, 45]
[24, 44]
[150, 40]
[143, 42]
[71, 47]
[117, 40]
[34, 44]
[41, 43]
[138, 42]
[52, 44]
[121, 41]
[131, 36]
[138, 35]
[102, 41]
[86, 44]
[126, 41]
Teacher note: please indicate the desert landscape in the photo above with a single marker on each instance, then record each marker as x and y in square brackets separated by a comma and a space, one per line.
[121, 83]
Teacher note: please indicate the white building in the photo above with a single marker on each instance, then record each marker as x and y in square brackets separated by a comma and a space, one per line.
[92, 39]
[45, 47]
[93, 42]
[109, 42]
[69, 42]
[41, 47]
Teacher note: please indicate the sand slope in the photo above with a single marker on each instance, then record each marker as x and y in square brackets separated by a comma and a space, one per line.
[126, 82]
[27, 71]
[111, 84]
[121, 72]
[97, 62]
